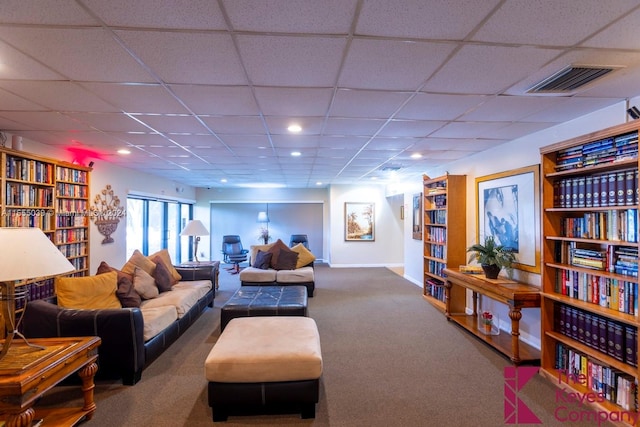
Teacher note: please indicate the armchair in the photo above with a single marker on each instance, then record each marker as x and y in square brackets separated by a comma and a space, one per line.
[233, 252]
[299, 238]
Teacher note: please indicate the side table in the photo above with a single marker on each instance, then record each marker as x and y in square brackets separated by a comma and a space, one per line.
[201, 270]
[26, 373]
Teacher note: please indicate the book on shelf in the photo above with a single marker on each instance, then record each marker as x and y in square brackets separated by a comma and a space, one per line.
[471, 269]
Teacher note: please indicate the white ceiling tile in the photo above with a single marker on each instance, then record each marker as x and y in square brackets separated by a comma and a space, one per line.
[405, 128]
[291, 16]
[44, 120]
[429, 106]
[426, 19]
[217, 100]
[291, 61]
[367, 104]
[509, 108]
[137, 98]
[167, 123]
[11, 102]
[16, 65]
[310, 125]
[32, 11]
[190, 14]
[58, 95]
[178, 57]
[354, 127]
[109, 122]
[80, 54]
[293, 102]
[391, 64]
[250, 125]
[467, 129]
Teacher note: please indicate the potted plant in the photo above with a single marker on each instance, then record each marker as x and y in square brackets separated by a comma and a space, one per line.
[492, 257]
[487, 321]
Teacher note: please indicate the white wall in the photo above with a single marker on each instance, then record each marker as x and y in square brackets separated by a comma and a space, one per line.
[388, 247]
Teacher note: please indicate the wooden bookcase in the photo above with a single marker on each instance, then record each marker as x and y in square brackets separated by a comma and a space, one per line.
[54, 196]
[444, 234]
[589, 265]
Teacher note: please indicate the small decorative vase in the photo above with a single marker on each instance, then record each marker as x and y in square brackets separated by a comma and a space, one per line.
[491, 271]
[487, 328]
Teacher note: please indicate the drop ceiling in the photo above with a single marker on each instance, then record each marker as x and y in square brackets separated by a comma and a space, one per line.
[202, 91]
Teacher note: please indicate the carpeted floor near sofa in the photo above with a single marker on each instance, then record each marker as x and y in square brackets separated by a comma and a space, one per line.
[390, 359]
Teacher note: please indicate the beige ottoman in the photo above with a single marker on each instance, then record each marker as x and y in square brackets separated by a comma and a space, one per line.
[264, 364]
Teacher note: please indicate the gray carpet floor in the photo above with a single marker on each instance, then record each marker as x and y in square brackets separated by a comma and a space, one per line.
[390, 359]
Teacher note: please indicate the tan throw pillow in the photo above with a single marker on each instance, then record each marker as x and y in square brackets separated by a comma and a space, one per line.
[305, 256]
[166, 259]
[141, 261]
[145, 284]
[89, 292]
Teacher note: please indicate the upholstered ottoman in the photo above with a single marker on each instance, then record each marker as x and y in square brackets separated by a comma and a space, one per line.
[265, 364]
[251, 301]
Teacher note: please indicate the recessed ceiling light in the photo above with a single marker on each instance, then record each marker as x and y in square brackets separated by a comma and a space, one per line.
[294, 128]
[223, 180]
[416, 156]
[124, 151]
[296, 153]
[319, 183]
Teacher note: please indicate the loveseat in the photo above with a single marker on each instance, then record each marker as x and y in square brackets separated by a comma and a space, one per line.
[276, 264]
[133, 335]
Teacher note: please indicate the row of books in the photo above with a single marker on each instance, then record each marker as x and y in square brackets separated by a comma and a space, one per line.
[609, 383]
[440, 201]
[29, 170]
[617, 225]
[72, 205]
[79, 263]
[609, 337]
[40, 218]
[606, 150]
[71, 190]
[28, 195]
[619, 295]
[71, 175]
[435, 289]
[621, 260]
[71, 235]
[436, 234]
[72, 221]
[435, 267]
[437, 217]
[435, 189]
[73, 249]
[608, 189]
[33, 291]
[437, 251]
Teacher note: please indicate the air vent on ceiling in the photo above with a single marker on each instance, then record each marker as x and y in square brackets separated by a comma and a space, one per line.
[570, 78]
[391, 168]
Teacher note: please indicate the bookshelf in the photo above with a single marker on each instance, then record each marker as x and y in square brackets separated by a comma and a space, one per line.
[590, 266]
[54, 196]
[444, 232]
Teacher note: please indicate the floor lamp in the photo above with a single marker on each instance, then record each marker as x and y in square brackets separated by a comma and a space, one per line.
[195, 228]
[29, 255]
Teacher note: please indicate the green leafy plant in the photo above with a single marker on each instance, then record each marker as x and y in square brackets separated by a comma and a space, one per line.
[491, 253]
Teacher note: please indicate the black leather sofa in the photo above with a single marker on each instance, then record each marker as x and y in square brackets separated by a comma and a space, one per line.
[123, 352]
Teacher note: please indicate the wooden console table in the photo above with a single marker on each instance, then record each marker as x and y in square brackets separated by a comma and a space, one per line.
[515, 295]
[26, 373]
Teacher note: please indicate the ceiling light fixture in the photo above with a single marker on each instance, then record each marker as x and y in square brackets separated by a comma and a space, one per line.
[124, 151]
[296, 153]
[416, 156]
[294, 128]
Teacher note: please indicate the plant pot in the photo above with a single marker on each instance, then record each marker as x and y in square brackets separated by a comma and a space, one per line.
[487, 328]
[491, 271]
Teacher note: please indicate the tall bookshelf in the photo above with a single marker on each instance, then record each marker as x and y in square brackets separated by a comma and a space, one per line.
[590, 266]
[444, 235]
[54, 196]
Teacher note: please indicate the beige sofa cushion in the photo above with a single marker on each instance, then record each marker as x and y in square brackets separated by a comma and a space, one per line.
[183, 296]
[257, 275]
[157, 319]
[266, 349]
[299, 275]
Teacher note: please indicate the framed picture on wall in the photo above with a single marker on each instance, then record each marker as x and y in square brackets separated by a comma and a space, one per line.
[417, 216]
[508, 208]
[359, 222]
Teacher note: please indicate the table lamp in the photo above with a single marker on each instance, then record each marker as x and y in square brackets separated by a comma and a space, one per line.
[29, 254]
[195, 228]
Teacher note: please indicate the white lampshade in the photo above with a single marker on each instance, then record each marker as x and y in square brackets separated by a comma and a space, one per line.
[263, 217]
[195, 228]
[29, 254]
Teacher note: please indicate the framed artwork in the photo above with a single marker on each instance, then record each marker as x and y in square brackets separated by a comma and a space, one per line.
[359, 222]
[417, 216]
[508, 208]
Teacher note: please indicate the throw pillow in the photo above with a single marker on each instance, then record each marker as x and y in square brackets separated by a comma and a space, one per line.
[263, 260]
[253, 251]
[139, 260]
[305, 257]
[166, 259]
[278, 246]
[145, 284]
[126, 293]
[88, 292]
[287, 260]
[162, 276]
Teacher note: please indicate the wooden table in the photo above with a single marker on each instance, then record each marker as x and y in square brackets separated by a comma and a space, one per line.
[516, 295]
[27, 373]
